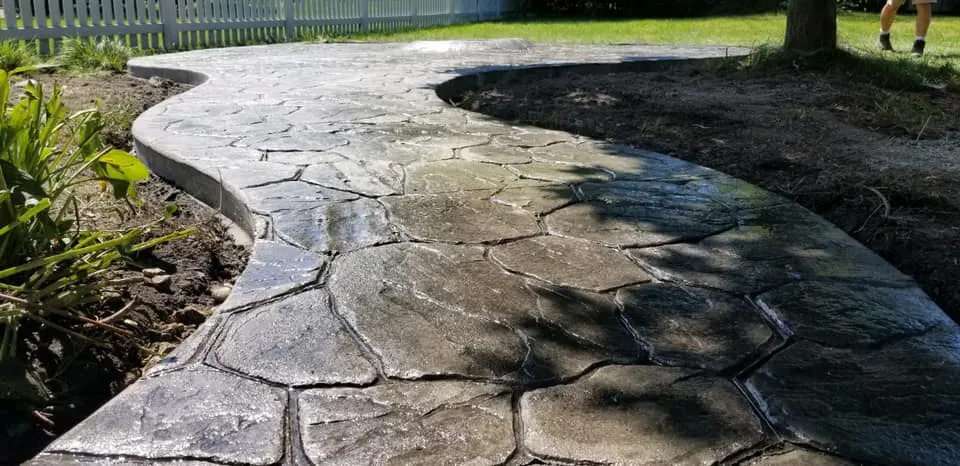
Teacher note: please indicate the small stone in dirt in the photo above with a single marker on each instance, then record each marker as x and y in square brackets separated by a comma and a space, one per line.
[220, 292]
[159, 82]
[153, 272]
[190, 315]
[160, 282]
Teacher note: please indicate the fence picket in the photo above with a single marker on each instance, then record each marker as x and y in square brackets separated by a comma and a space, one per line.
[40, 14]
[192, 5]
[241, 20]
[258, 32]
[217, 12]
[53, 6]
[197, 23]
[205, 14]
[120, 13]
[69, 16]
[126, 12]
[10, 14]
[141, 19]
[95, 16]
[106, 7]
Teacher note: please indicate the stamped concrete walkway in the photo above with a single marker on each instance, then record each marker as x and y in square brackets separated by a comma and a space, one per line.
[434, 287]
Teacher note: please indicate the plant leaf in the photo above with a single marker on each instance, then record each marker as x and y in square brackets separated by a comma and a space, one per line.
[122, 169]
[124, 165]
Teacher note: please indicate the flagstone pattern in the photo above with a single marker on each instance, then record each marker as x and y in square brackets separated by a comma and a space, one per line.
[432, 286]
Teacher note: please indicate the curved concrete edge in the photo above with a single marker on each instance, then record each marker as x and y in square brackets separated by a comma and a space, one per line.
[180, 75]
[204, 186]
[184, 368]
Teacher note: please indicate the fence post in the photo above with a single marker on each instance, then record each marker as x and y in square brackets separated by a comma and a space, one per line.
[10, 14]
[365, 15]
[453, 11]
[168, 18]
[289, 28]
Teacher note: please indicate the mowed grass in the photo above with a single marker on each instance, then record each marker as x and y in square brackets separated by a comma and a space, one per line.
[856, 30]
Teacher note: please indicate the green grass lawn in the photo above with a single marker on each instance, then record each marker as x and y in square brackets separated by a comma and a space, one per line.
[857, 30]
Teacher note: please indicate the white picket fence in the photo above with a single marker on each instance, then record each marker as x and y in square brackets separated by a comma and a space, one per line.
[178, 24]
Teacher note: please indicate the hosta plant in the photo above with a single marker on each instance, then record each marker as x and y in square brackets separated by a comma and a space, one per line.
[50, 266]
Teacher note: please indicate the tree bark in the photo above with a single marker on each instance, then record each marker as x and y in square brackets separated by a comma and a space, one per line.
[811, 25]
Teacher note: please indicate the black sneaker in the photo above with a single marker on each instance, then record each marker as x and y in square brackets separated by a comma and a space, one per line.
[918, 48]
[883, 43]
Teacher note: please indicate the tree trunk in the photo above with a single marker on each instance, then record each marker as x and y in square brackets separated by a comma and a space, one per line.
[811, 25]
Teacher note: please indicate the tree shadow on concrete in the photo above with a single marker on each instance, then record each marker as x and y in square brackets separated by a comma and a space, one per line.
[712, 242]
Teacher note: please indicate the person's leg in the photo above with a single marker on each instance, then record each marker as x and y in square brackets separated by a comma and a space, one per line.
[924, 15]
[887, 15]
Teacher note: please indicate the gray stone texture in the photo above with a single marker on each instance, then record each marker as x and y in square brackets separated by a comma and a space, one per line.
[57, 460]
[754, 258]
[293, 195]
[274, 268]
[344, 226]
[421, 255]
[693, 327]
[561, 173]
[499, 155]
[299, 141]
[569, 263]
[852, 315]
[638, 214]
[465, 217]
[295, 341]
[639, 415]
[427, 423]
[533, 138]
[539, 199]
[896, 404]
[443, 310]
[456, 175]
[304, 157]
[370, 178]
[797, 457]
[200, 414]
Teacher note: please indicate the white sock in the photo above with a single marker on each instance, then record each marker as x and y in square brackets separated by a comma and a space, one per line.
[884, 33]
[923, 38]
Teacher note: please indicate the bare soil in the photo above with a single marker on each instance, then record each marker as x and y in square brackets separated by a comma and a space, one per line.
[80, 376]
[883, 166]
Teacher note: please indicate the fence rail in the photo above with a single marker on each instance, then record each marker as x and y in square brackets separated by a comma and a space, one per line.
[178, 24]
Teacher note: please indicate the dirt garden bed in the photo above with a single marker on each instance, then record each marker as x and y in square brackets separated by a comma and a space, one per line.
[882, 165]
[80, 376]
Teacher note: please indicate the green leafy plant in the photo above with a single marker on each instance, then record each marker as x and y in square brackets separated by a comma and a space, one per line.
[16, 54]
[49, 265]
[96, 55]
